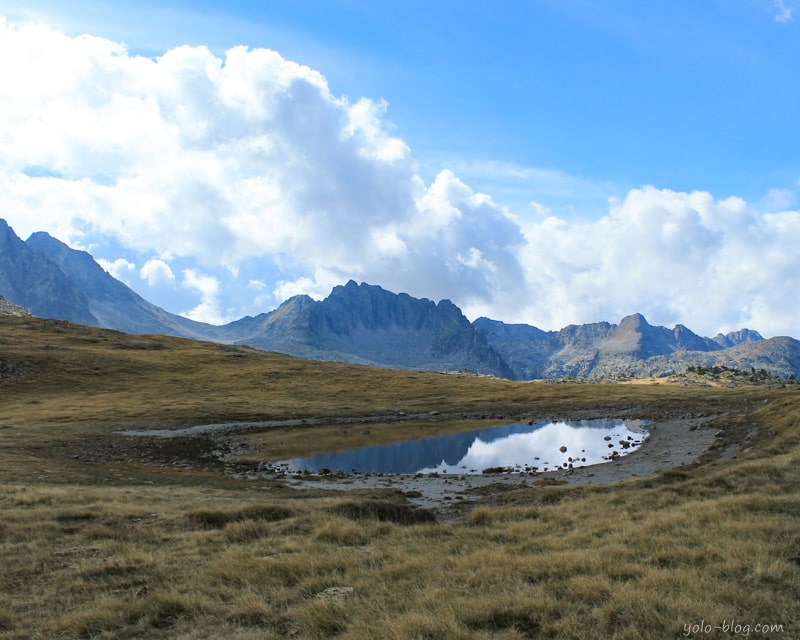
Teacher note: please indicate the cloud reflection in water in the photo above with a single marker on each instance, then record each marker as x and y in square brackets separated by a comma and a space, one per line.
[516, 445]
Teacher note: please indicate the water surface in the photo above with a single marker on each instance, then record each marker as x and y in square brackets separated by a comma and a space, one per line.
[542, 446]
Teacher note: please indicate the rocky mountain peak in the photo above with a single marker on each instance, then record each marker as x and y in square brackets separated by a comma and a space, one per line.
[368, 324]
[633, 322]
[37, 284]
[737, 337]
[509, 331]
[82, 268]
[9, 241]
[52, 280]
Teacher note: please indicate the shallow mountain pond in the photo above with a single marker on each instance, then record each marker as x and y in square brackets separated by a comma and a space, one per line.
[521, 447]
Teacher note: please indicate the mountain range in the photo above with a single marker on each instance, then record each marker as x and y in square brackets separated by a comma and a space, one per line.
[363, 323]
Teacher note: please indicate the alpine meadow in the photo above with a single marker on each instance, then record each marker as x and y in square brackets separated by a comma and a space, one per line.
[402, 320]
[109, 535]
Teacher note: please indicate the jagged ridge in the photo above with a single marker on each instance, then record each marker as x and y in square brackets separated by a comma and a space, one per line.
[367, 324]
[633, 348]
[364, 323]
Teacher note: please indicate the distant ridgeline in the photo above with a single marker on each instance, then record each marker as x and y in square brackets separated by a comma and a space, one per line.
[362, 323]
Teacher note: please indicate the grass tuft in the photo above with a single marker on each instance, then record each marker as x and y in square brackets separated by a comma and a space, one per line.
[251, 610]
[501, 618]
[6, 620]
[167, 609]
[218, 519]
[341, 531]
[481, 516]
[323, 618]
[385, 512]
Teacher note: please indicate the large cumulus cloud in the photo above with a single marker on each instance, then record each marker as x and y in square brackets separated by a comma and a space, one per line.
[676, 257]
[229, 159]
[221, 172]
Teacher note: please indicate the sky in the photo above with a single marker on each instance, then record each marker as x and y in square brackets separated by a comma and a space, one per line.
[548, 162]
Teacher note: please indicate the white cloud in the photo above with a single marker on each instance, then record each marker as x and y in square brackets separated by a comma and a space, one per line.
[777, 199]
[783, 12]
[676, 257]
[156, 272]
[249, 167]
[208, 288]
[120, 268]
[540, 210]
[226, 160]
[285, 289]
[513, 185]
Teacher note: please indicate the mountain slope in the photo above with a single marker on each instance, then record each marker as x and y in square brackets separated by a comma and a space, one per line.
[113, 304]
[35, 283]
[779, 356]
[367, 324]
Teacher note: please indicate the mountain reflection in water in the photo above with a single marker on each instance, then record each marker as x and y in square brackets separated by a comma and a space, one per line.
[518, 446]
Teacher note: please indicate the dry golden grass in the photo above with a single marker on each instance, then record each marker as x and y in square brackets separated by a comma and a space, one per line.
[137, 547]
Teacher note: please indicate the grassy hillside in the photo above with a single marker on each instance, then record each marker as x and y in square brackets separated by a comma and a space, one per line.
[104, 537]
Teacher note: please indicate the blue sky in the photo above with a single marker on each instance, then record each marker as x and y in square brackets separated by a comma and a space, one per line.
[682, 94]
[544, 162]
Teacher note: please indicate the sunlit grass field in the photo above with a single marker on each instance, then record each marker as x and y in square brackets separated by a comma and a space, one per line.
[119, 546]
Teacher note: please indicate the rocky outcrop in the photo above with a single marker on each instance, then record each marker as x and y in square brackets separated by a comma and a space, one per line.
[10, 309]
